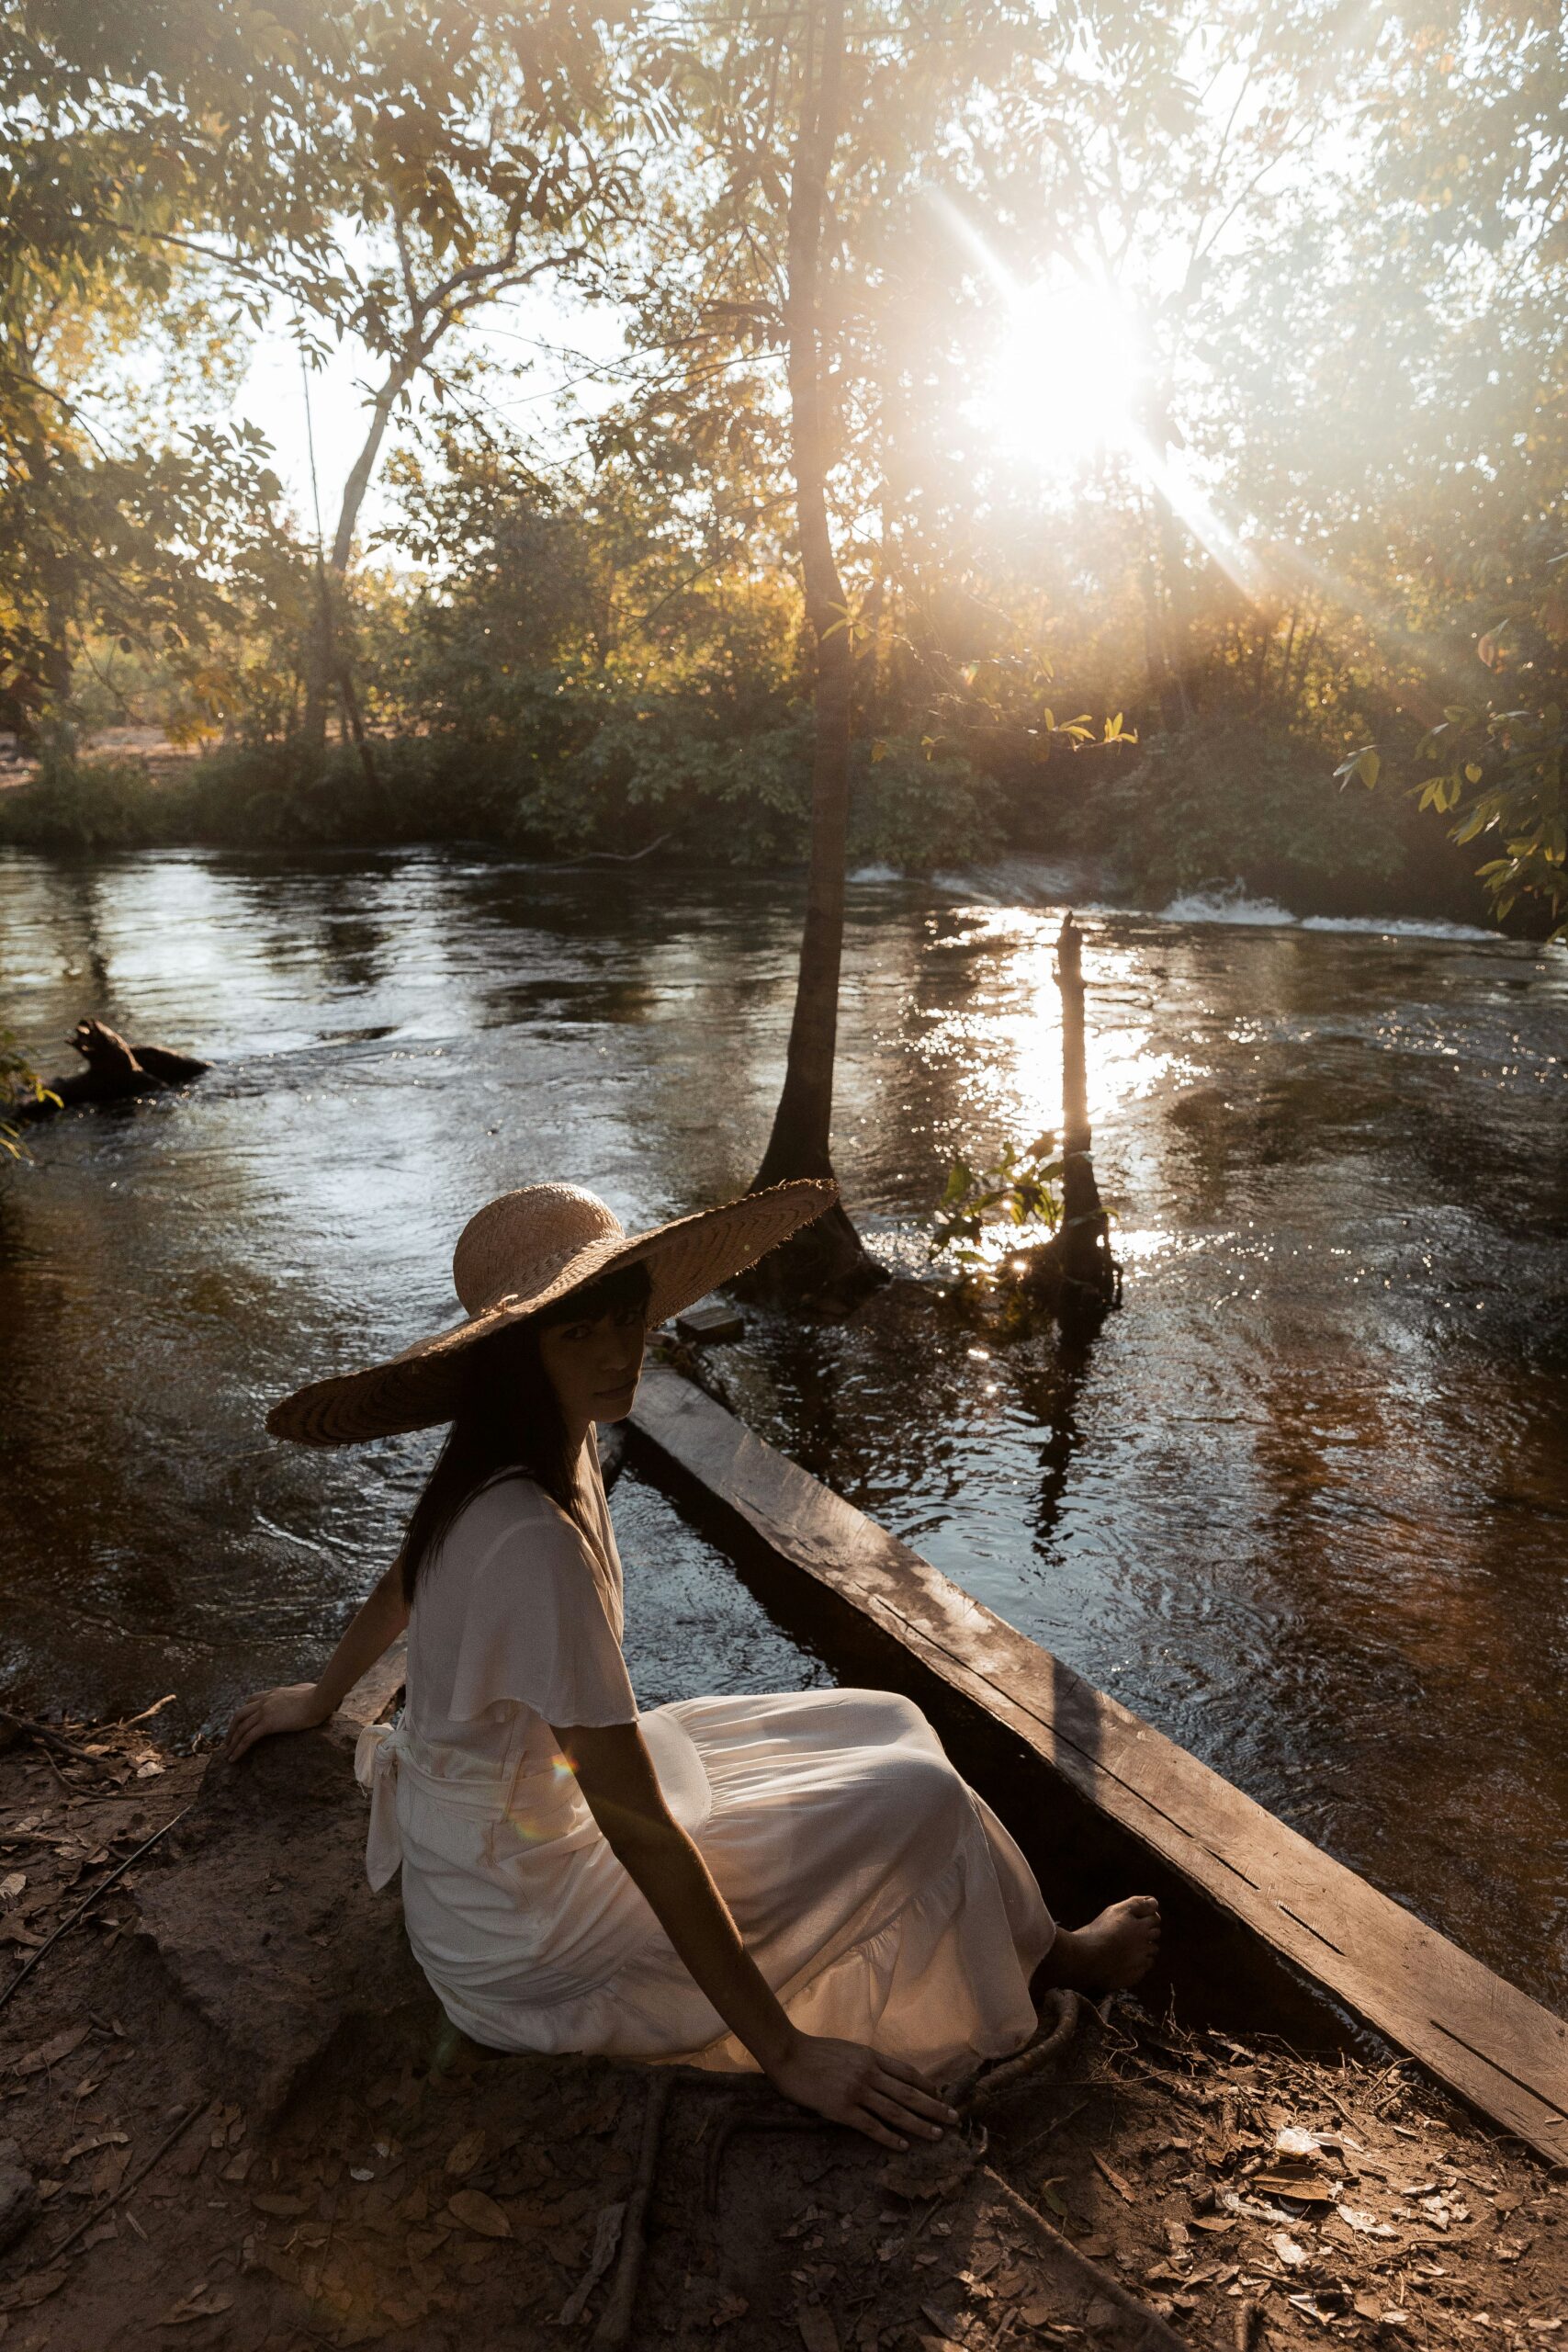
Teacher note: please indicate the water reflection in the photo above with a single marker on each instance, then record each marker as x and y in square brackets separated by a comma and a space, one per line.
[1304, 1504]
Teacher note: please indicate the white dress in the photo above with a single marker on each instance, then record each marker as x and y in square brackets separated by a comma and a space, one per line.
[880, 1896]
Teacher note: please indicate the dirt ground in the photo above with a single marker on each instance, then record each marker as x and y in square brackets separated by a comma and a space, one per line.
[231, 2115]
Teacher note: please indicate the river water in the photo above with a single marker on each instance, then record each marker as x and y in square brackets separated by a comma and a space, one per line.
[1305, 1506]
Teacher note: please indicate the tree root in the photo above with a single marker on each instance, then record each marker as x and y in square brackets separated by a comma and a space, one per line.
[1068, 2007]
[26, 1729]
[614, 2329]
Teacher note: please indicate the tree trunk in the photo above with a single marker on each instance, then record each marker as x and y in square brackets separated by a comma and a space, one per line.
[1175, 698]
[829, 1256]
[328, 655]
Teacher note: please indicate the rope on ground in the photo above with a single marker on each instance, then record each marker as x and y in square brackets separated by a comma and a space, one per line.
[614, 2329]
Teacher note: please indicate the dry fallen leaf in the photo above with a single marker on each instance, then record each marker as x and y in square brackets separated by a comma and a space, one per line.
[1356, 2218]
[109, 2171]
[285, 2209]
[1305, 2187]
[467, 2154]
[100, 2140]
[817, 2332]
[1235, 2203]
[51, 2053]
[1128, 2196]
[202, 2302]
[477, 2212]
[404, 2310]
[37, 2287]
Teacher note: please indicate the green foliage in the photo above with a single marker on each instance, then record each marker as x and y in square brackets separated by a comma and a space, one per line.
[605, 644]
[1018, 1199]
[915, 809]
[575, 770]
[1495, 764]
[19, 1083]
[1234, 801]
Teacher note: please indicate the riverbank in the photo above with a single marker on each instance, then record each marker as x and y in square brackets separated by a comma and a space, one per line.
[1228, 805]
[235, 2117]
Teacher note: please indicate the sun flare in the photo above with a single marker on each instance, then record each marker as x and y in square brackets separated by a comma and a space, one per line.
[1064, 374]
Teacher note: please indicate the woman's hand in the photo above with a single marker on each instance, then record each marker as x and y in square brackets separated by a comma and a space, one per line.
[881, 2096]
[295, 1707]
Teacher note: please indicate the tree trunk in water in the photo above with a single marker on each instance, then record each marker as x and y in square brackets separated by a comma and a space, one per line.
[828, 1259]
[1082, 1248]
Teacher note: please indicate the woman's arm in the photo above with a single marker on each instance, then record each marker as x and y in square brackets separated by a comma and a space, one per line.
[297, 1705]
[880, 2097]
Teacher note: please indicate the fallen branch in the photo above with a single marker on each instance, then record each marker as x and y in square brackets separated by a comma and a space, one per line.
[1157, 2335]
[135, 2180]
[614, 2329]
[83, 1908]
[27, 1729]
[605, 856]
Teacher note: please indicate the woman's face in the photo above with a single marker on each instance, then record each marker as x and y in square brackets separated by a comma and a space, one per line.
[593, 1366]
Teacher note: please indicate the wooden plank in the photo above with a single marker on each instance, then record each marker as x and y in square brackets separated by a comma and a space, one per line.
[1491, 2043]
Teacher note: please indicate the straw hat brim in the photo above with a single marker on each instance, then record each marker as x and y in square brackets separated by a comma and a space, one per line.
[422, 1386]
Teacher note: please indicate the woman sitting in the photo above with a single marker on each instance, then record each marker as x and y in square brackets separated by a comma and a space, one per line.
[802, 1883]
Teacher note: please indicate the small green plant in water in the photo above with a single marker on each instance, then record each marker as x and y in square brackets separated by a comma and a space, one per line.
[1020, 1193]
[19, 1082]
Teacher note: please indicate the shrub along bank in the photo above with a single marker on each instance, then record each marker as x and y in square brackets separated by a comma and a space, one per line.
[1230, 803]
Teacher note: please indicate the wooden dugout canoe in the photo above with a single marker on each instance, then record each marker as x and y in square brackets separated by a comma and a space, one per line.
[1264, 1932]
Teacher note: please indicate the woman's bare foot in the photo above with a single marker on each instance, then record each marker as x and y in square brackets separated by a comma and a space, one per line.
[1108, 1955]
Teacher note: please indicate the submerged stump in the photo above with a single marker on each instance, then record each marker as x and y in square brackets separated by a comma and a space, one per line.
[116, 1071]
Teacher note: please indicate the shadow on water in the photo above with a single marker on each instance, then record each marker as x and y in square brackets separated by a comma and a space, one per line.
[1303, 1504]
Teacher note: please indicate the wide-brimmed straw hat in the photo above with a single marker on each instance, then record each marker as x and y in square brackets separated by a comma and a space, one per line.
[523, 1251]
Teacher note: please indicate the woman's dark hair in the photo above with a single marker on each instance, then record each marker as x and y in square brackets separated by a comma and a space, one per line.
[509, 1421]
